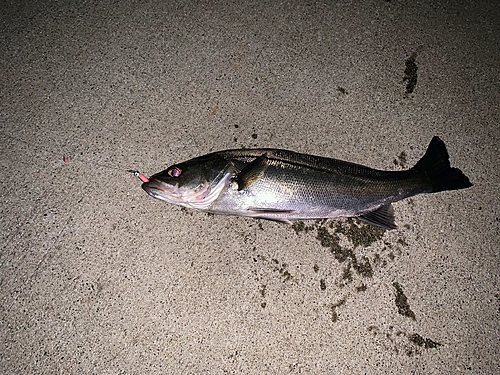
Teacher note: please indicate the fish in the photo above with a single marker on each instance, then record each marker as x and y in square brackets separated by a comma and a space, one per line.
[285, 186]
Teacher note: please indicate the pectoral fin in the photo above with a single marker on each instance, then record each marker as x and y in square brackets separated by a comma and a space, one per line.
[252, 172]
[382, 217]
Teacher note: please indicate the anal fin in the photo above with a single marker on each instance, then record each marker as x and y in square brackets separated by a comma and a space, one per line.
[382, 217]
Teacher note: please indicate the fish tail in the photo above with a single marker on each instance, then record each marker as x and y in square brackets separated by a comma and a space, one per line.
[436, 166]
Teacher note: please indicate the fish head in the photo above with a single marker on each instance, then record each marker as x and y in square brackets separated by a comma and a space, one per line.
[196, 183]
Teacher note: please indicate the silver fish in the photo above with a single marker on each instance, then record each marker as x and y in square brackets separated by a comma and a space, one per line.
[284, 185]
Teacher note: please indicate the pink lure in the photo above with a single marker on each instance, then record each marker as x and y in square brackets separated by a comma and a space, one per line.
[140, 176]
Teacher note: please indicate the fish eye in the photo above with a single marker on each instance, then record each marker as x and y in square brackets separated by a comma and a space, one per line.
[174, 171]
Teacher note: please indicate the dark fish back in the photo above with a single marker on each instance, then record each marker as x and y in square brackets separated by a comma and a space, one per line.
[299, 160]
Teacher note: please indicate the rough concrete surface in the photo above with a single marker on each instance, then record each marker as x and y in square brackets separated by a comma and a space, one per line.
[96, 277]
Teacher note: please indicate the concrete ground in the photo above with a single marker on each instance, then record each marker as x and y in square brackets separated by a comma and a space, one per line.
[96, 277]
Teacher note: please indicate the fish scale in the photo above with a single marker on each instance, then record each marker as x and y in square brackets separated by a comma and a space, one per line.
[284, 185]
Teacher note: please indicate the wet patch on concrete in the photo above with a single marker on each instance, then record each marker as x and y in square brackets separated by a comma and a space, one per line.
[401, 342]
[401, 160]
[334, 306]
[410, 74]
[347, 239]
[342, 237]
[402, 302]
[361, 251]
[358, 248]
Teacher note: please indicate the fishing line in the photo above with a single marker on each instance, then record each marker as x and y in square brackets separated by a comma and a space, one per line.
[67, 158]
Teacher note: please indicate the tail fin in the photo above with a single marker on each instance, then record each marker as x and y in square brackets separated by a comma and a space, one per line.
[436, 165]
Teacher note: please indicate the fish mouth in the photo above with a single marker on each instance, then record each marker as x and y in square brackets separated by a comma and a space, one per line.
[170, 193]
[200, 197]
[183, 196]
[155, 188]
